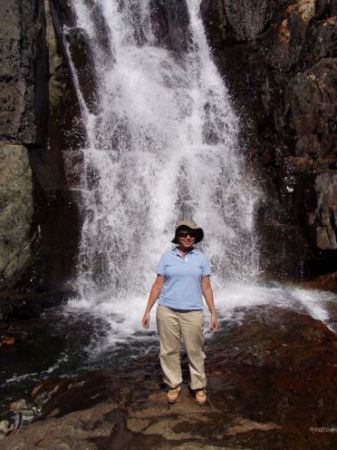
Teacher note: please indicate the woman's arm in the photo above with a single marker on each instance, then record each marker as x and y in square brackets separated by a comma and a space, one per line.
[154, 294]
[208, 294]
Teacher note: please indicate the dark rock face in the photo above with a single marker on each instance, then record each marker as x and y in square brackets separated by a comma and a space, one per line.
[311, 109]
[65, 128]
[23, 121]
[23, 60]
[103, 37]
[84, 63]
[324, 219]
[278, 59]
[10, 71]
[39, 225]
[17, 210]
[60, 167]
[170, 21]
[247, 18]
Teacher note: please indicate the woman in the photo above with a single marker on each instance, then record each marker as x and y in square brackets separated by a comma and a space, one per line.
[182, 278]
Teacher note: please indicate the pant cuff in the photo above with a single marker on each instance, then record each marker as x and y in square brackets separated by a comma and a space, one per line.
[198, 388]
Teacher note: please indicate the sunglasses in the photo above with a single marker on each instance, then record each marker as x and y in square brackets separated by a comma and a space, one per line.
[186, 233]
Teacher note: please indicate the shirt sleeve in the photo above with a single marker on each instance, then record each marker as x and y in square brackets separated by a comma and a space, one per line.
[161, 266]
[206, 267]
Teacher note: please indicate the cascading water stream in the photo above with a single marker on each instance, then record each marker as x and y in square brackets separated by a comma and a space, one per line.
[162, 146]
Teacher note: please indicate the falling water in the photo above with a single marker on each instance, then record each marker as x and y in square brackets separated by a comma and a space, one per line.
[162, 145]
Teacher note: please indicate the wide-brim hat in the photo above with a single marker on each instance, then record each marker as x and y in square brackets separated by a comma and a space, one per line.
[188, 225]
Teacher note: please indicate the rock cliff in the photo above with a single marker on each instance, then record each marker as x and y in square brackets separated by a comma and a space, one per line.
[39, 222]
[23, 114]
[279, 58]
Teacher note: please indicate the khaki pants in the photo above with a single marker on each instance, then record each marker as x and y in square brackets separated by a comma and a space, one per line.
[172, 326]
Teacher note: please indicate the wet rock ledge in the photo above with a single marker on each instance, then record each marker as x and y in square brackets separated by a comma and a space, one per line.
[271, 386]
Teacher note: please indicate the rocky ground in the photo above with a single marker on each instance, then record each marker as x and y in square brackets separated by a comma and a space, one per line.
[271, 386]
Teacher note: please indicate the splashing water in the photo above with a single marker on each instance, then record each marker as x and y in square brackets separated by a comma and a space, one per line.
[162, 146]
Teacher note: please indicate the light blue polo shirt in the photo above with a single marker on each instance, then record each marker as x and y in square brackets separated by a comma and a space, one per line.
[182, 285]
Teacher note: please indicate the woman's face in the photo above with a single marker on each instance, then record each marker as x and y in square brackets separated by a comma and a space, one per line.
[186, 239]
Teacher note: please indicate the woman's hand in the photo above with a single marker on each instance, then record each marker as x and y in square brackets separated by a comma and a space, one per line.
[208, 294]
[146, 320]
[154, 294]
[214, 323]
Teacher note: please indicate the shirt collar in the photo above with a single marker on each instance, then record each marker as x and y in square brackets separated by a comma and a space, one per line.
[176, 251]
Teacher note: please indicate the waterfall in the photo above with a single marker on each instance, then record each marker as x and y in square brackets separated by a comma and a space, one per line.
[162, 145]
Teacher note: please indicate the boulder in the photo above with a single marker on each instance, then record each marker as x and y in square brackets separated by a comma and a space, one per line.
[326, 282]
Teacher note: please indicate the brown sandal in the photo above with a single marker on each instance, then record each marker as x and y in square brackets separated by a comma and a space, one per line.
[173, 394]
[201, 396]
